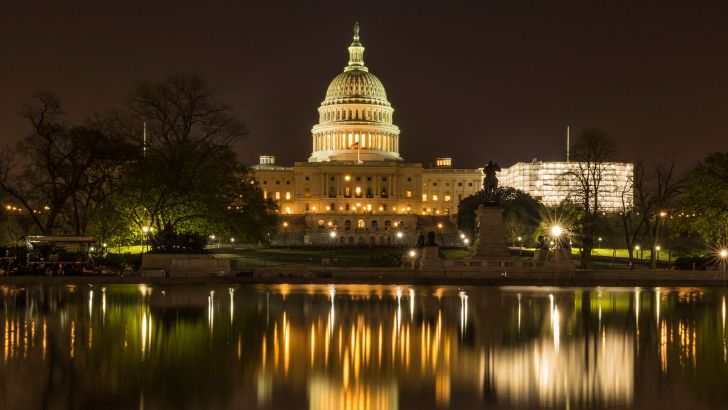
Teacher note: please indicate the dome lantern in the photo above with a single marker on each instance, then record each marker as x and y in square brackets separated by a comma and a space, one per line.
[356, 52]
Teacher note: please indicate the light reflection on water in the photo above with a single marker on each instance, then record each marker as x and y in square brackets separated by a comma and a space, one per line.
[356, 346]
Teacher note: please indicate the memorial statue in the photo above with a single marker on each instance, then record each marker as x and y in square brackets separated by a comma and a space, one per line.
[490, 182]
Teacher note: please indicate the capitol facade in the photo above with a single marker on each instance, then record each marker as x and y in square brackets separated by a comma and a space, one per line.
[355, 188]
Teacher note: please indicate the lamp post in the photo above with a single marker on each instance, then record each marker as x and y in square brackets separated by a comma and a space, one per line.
[413, 257]
[657, 253]
[520, 245]
[556, 233]
[145, 230]
[637, 249]
[723, 258]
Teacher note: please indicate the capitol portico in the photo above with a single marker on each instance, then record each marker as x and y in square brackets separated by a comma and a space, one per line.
[356, 189]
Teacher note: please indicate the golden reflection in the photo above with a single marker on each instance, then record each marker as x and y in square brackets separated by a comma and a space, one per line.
[346, 348]
[73, 339]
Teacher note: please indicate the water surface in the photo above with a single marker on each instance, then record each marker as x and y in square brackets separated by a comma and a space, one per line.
[361, 347]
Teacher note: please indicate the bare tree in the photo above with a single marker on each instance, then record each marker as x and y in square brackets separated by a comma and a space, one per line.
[632, 220]
[655, 194]
[592, 153]
[54, 168]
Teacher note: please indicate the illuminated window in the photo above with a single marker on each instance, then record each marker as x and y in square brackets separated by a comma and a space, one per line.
[447, 198]
[347, 192]
[278, 195]
[357, 191]
[265, 194]
[434, 198]
[424, 197]
[347, 178]
[360, 224]
[408, 194]
[288, 195]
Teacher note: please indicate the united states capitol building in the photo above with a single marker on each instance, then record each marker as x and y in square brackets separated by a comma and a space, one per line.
[356, 189]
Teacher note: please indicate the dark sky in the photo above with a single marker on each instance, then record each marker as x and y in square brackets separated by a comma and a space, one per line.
[475, 81]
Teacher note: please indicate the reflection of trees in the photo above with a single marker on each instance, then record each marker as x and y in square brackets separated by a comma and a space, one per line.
[277, 346]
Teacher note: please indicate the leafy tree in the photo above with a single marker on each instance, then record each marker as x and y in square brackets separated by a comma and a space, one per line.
[521, 213]
[189, 179]
[703, 208]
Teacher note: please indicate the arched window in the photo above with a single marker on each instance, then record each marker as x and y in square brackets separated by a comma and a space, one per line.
[321, 224]
[347, 225]
[360, 224]
[375, 226]
[387, 224]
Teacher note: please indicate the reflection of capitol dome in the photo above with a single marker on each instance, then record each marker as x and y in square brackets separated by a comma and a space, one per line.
[355, 118]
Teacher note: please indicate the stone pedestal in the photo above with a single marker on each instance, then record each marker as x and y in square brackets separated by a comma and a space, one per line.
[430, 260]
[491, 237]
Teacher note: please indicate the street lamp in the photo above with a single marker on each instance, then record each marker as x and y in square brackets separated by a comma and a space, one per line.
[412, 255]
[657, 253]
[556, 233]
[637, 249]
[332, 234]
[466, 241]
[600, 241]
[520, 245]
[145, 230]
[723, 257]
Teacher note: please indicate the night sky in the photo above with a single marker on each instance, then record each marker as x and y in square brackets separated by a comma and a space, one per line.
[488, 80]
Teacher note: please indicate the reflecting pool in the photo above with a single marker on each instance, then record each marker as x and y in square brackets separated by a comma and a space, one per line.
[362, 347]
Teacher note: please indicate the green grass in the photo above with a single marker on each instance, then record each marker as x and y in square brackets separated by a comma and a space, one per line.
[126, 249]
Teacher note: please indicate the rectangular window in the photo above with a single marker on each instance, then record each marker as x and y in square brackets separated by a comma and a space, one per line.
[278, 195]
[306, 207]
[447, 198]
[460, 184]
[408, 194]
[434, 198]
[424, 197]
[288, 195]
[347, 207]
[306, 178]
[265, 194]
[460, 197]
[332, 207]
[434, 184]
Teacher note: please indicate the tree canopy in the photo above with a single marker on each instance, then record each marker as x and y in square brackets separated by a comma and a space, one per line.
[521, 212]
[703, 208]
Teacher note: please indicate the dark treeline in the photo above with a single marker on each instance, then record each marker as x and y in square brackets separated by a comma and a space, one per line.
[104, 178]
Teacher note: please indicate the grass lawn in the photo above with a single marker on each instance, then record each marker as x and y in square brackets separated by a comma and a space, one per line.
[126, 249]
[376, 257]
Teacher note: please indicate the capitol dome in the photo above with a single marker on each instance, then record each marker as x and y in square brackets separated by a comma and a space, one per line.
[355, 118]
[356, 86]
